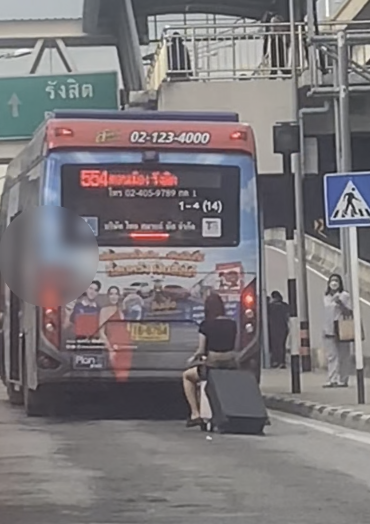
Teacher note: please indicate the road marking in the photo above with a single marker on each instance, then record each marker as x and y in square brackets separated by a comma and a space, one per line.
[314, 271]
[322, 427]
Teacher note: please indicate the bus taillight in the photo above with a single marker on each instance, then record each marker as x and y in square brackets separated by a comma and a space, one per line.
[248, 311]
[63, 132]
[239, 135]
[248, 299]
[51, 325]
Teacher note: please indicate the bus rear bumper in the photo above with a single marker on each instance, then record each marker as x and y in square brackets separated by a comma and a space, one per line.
[107, 377]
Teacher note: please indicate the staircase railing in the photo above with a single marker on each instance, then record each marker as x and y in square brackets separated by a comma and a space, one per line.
[216, 52]
[223, 52]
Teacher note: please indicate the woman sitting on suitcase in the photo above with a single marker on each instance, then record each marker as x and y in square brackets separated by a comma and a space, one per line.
[217, 334]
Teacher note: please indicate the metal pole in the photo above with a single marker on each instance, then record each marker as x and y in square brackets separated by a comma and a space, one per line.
[295, 367]
[346, 167]
[338, 140]
[343, 232]
[265, 328]
[311, 48]
[357, 314]
[310, 18]
[299, 211]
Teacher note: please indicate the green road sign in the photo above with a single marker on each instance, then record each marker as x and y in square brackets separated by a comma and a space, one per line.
[25, 101]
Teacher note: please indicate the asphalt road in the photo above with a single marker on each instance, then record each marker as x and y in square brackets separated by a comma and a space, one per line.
[79, 471]
[276, 269]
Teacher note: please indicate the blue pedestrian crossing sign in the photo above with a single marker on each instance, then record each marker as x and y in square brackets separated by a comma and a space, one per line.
[347, 200]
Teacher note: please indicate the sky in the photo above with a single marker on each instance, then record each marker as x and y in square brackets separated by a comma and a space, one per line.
[26, 9]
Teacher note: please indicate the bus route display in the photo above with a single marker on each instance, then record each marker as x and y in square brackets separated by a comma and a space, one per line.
[179, 205]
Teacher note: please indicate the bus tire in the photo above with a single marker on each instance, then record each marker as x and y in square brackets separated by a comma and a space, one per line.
[33, 403]
[15, 397]
[33, 399]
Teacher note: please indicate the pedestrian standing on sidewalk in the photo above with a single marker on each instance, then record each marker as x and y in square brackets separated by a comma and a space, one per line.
[337, 306]
[278, 318]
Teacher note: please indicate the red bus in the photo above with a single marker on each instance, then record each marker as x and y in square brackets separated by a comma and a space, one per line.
[172, 201]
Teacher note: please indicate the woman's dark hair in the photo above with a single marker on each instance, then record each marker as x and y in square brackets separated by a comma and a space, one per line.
[111, 289]
[214, 307]
[97, 284]
[340, 280]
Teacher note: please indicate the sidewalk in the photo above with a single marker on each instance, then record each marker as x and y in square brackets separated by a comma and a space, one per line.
[336, 406]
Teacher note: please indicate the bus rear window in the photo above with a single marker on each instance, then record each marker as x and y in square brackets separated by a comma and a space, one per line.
[174, 205]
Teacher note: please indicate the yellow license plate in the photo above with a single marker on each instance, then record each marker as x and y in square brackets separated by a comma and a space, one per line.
[150, 332]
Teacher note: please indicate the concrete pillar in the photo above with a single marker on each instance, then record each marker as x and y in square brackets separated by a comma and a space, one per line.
[129, 48]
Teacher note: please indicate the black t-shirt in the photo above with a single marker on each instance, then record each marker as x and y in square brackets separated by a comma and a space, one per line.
[278, 315]
[220, 334]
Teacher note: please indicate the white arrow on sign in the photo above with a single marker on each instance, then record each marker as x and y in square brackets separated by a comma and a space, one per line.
[14, 103]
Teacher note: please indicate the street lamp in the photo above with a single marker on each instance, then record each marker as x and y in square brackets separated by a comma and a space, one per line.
[18, 53]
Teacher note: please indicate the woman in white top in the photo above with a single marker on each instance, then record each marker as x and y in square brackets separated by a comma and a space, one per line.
[337, 305]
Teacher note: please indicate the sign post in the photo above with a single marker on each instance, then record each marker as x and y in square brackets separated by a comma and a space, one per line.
[286, 143]
[354, 198]
[347, 205]
[25, 101]
[304, 323]
[357, 314]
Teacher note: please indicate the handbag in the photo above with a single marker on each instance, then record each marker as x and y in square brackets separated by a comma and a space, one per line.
[345, 329]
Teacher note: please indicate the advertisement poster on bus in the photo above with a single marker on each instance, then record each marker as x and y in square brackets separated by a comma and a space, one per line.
[157, 284]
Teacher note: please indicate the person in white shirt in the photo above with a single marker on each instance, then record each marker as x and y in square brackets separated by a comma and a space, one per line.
[337, 305]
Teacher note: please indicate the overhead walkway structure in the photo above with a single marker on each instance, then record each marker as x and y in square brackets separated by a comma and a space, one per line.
[229, 69]
[353, 10]
[358, 13]
[127, 22]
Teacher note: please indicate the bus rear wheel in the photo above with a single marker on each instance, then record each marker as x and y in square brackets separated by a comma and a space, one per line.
[15, 396]
[34, 401]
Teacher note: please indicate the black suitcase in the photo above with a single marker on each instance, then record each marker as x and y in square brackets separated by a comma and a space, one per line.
[236, 402]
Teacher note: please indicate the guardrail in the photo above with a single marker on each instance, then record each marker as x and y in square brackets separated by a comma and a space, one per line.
[156, 23]
[323, 256]
[222, 52]
[209, 52]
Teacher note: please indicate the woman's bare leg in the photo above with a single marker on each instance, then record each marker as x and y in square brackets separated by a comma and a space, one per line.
[190, 379]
